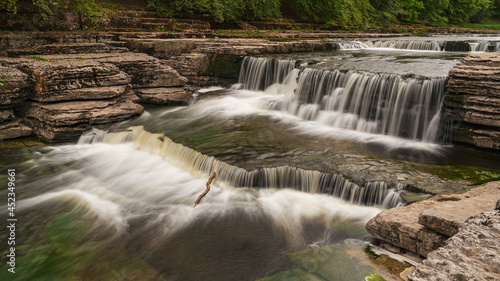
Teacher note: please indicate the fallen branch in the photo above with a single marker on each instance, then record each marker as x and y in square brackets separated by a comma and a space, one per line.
[207, 190]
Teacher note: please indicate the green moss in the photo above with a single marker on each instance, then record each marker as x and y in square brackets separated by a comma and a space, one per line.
[374, 277]
[293, 274]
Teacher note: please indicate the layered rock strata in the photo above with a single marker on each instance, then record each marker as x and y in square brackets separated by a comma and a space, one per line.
[13, 92]
[208, 62]
[61, 95]
[472, 254]
[473, 101]
[424, 226]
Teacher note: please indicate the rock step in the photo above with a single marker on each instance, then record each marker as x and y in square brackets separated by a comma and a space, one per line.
[164, 96]
[69, 48]
[14, 129]
[135, 14]
[424, 226]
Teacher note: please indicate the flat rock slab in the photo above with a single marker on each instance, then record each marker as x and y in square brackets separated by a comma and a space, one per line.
[67, 120]
[472, 254]
[164, 96]
[144, 70]
[446, 218]
[424, 226]
[400, 227]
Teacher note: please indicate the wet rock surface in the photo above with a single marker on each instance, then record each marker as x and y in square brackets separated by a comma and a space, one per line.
[424, 226]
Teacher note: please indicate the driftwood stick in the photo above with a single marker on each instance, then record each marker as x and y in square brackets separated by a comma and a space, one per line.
[212, 176]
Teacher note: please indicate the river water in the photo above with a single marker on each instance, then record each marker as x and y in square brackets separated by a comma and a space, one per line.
[306, 149]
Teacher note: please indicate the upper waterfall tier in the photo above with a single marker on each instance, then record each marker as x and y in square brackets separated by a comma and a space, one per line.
[386, 104]
[449, 44]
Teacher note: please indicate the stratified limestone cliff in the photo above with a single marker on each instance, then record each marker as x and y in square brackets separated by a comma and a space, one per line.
[472, 103]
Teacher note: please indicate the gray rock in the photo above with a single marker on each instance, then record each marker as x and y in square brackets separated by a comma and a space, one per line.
[472, 254]
[15, 85]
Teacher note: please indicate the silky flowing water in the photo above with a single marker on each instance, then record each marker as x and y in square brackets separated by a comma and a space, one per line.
[306, 149]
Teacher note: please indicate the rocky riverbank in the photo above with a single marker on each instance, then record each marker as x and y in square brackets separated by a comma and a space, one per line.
[425, 228]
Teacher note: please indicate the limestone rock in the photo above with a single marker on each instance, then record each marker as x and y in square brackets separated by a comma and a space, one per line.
[14, 129]
[66, 48]
[67, 120]
[424, 226]
[15, 85]
[472, 254]
[6, 115]
[473, 100]
[400, 227]
[446, 218]
[164, 96]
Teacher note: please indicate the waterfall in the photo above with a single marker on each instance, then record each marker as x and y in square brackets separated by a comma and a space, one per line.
[385, 104]
[488, 46]
[257, 74]
[421, 45]
[200, 165]
[351, 45]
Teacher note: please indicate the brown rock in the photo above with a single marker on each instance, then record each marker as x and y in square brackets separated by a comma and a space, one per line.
[473, 100]
[6, 115]
[67, 120]
[400, 227]
[163, 96]
[14, 129]
[15, 85]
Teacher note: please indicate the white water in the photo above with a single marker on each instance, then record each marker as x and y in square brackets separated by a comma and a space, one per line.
[118, 182]
[381, 104]
[475, 44]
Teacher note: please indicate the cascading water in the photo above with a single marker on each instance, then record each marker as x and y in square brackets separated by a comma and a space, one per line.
[259, 73]
[421, 45]
[371, 193]
[385, 104]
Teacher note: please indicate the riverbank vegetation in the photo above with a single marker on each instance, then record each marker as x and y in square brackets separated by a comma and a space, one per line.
[331, 14]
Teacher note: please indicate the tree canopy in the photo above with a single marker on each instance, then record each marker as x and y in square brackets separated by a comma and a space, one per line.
[329, 12]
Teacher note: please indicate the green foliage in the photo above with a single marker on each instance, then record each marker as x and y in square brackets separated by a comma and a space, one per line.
[461, 11]
[334, 12]
[9, 5]
[410, 10]
[1, 81]
[219, 10]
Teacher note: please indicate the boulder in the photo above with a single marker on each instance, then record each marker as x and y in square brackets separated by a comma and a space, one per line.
[472, 254]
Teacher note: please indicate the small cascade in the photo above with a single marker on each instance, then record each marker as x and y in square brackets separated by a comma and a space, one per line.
[420, 45]
[351, 45]
[488, 46]
[200, 165]
[385, 104]
[257, 74]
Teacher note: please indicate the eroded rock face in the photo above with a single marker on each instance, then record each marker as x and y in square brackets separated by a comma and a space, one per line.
[472, 254]
[424, 226]
[473, 101]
